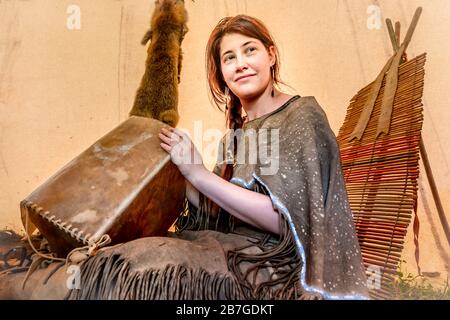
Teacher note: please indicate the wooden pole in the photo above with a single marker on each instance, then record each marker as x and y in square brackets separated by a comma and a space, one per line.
[434, 191]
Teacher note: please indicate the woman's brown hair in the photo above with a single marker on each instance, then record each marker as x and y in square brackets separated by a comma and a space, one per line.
[247, 26]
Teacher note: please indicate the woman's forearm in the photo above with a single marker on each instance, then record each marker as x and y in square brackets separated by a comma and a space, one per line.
[246, 205]
[249, 206]
[192, 194]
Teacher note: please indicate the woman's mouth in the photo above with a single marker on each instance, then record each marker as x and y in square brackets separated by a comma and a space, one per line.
[244, 77]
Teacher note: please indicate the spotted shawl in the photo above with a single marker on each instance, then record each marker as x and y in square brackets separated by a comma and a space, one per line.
[298, 166]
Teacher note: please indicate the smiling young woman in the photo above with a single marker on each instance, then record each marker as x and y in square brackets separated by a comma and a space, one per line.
[299, 213]
[240, 47]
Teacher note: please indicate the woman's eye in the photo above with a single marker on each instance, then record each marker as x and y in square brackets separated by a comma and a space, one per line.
[228, 58]
[250, 49]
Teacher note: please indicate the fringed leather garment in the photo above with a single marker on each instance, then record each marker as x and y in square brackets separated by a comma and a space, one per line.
[202, 264]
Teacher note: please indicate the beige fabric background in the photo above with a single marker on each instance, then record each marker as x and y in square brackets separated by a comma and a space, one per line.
[61, 89]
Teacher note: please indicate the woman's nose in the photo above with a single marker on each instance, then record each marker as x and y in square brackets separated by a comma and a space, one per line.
[241, 64]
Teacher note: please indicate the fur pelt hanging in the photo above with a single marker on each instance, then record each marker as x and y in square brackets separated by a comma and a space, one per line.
[157, 96]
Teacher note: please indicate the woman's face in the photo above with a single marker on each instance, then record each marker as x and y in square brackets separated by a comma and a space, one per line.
[245, 64]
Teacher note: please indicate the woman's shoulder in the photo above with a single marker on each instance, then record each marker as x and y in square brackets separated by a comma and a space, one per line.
[306, 103]
[306, 106]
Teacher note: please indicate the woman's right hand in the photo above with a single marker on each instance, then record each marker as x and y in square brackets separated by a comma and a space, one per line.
[183, 152]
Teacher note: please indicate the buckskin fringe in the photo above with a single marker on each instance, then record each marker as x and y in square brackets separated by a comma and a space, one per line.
[200, 218]
[110, 278]
[280, 258]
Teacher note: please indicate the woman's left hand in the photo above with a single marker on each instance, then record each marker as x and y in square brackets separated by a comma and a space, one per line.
[182, 151]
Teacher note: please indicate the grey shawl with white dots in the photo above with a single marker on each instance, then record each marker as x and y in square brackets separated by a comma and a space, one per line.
[299, 167]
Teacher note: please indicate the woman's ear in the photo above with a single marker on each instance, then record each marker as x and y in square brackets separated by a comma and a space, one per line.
[272, 55]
